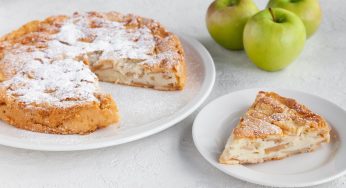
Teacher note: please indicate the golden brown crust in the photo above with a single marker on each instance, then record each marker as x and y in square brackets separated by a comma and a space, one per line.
[272, 114]
[81, 119]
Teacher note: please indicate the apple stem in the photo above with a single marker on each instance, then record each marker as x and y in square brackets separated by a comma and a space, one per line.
[272, 13]
[226, 3]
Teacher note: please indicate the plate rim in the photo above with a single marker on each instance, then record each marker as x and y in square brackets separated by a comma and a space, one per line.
[204, 92]
[245, 178]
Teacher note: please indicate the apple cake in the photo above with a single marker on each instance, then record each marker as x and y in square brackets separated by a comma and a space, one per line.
[50, 70]
[274, 127]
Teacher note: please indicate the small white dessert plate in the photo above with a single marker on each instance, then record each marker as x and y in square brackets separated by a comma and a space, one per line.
[215, 122]
[144, 112]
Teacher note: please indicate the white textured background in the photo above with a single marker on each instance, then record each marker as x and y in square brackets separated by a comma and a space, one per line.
[169, 159]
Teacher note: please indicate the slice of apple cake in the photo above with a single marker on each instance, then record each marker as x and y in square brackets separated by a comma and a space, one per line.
[274, 127]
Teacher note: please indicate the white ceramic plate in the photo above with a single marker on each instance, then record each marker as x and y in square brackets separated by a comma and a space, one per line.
[215, 121]
[144, 111]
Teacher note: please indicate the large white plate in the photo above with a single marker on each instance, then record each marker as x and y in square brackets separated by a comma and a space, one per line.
[144, 111]
[215, 121]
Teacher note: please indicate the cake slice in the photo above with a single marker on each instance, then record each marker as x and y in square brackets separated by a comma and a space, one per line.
[273, 128]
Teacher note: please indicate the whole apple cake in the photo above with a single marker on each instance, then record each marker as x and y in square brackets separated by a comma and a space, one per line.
[50, 69]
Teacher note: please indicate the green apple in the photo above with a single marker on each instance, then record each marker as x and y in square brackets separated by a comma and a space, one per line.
[226, 20]
[308, 10]
[273, 38]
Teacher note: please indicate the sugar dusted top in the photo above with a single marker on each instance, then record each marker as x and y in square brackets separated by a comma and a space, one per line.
[272, 114]
[47, 62]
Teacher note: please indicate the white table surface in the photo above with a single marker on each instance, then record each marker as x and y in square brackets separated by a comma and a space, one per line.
[170, 159]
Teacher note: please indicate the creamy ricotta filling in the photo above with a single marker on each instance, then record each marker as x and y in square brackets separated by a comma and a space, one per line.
[272, 147]
[126, 72]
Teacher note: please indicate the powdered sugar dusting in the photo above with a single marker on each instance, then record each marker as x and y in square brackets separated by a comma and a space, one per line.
[62, 83]
[113, 39]
[253, 126]
[69, 33]
[55, 75]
